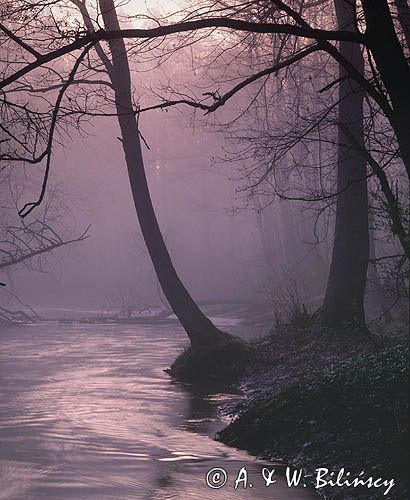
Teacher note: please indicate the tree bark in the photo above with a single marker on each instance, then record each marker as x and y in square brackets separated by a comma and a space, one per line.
[403, 12]
[344, 298]
[393, 67]
[374, 285]
[201, 331]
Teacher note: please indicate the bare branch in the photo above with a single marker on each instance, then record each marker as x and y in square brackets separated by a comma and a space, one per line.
[392, 202]
[161, 31]
[29, 207]
[19, 41]
[221, 100]
[30, 253]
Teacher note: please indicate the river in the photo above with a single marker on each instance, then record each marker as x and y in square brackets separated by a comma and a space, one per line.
[87, 413]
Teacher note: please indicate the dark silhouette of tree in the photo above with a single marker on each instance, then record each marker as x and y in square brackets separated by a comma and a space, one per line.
[385, 90]
[200, 330]
[344, 298]
[29, 243]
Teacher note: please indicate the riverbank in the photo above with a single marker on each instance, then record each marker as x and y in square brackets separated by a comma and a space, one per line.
[317, 399]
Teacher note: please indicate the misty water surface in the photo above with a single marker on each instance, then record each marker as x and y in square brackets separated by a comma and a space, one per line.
[88, 413]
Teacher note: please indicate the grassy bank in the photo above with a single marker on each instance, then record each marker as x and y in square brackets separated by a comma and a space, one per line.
[318, 400]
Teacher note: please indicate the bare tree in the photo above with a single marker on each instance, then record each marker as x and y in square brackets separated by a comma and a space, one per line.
[28, 242]
[344, 299]
[198, 327]
[384, 84]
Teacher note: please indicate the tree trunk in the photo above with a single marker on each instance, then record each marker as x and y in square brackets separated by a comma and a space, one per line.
[344, 298]
[201, 331]
[393, 67]
[374, 286]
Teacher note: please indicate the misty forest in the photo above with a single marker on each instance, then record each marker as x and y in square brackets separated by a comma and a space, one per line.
[204, 249]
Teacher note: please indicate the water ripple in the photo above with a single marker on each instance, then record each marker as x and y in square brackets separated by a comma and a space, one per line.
[86, 412]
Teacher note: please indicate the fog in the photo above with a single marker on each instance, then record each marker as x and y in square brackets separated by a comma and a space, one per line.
[214, 244]
[204, 249]
[246, 211]
[227, 244]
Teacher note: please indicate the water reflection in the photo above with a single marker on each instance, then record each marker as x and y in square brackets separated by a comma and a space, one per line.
[86, 412]
[200, 411]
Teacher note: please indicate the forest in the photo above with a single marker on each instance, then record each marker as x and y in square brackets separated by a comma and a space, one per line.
[204, 249]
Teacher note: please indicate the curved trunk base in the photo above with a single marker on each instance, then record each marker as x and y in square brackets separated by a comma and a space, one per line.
[201, 331]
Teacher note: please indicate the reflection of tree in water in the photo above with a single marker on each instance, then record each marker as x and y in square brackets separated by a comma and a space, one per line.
[200, 413]
[163, 481]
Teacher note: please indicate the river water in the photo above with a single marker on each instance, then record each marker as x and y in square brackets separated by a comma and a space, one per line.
[86, 412]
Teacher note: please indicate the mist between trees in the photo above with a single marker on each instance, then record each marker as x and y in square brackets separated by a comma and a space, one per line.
[274, 137]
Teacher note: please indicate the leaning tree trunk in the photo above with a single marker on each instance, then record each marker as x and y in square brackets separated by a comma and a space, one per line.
[201, 331]
[344, 298]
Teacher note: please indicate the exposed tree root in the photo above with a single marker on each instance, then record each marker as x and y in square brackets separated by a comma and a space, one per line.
[222, 362]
